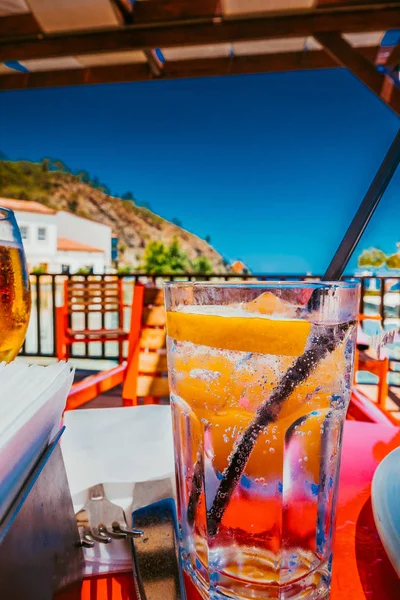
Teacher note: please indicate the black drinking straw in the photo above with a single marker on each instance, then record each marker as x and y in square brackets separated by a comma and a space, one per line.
[360, 220]
[365, 212]
[320, 346]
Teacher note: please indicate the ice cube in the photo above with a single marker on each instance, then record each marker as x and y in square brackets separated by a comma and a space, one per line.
[269, 304]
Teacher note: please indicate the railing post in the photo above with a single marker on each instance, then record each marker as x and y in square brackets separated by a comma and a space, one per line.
[382, 302]
[53, 316]
[362, 296]
[38, 318]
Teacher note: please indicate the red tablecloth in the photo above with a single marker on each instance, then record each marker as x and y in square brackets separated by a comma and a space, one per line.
[361, 569]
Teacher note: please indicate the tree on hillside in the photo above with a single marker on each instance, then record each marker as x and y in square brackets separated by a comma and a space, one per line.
[393, 261]
[145, 205]
[128, 196]
[208, 239]
[56, 164]
[160, 258]
[176, 222]
[202, 265]
[95, 182]
[177, 259]
[155, 258]
[83, 176]
[105, 189]
[373, 257]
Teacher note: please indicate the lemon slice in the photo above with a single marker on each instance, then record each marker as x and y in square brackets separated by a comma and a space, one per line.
[284, 337]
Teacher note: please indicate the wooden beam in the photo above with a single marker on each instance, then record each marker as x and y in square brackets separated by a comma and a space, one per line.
[207, 67]
[393, 60]
[125, 8]
[342, 3]
[71, 77]
[382, 85]
[155, 66]
[172, 10]
[18, 25]
[201, 32]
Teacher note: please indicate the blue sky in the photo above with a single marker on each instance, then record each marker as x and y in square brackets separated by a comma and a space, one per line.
[272, 166]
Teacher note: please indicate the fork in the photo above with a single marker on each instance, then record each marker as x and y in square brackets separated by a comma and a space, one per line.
[102, 521]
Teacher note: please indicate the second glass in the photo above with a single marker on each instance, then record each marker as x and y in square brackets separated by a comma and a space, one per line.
[260, 379]
[15, 296]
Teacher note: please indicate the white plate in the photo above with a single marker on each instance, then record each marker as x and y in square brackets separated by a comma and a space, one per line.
[386, 505]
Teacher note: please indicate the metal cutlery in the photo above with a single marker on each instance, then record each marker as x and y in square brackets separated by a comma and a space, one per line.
[102, 521]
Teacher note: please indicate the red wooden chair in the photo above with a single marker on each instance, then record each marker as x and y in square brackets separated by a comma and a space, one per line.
[365, 360]
[84, 300]
[361, 408]
[144, 373]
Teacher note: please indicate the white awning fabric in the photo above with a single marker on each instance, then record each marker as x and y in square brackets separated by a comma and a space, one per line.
[72, 15]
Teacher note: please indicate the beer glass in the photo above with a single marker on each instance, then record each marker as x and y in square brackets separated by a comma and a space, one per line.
[15, 297]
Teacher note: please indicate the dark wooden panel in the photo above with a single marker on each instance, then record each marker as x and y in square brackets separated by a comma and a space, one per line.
[382, 85]
[18, 25]
[205, 32]
[154, 296]
[169, 10]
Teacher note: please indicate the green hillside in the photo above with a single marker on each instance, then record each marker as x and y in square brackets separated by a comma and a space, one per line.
[137, 228]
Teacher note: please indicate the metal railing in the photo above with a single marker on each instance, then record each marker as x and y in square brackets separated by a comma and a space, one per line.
[379, 296]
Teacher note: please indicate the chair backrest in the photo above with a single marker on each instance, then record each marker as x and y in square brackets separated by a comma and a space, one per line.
[361, 408]
[147, 371]
[94, 295]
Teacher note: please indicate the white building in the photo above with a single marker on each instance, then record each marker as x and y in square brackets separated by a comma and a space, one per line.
[73, 256]
[86, 232]
[58, 241]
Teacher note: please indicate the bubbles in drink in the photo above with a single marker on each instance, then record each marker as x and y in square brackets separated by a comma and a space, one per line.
[15, 300]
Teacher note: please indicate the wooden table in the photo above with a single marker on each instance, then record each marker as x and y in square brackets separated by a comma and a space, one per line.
[361, 569]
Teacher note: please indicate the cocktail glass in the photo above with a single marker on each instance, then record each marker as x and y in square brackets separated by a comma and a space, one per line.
[260, 378]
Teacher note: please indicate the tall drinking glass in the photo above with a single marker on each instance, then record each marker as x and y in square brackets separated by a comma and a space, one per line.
[15, 297]
[260, 379]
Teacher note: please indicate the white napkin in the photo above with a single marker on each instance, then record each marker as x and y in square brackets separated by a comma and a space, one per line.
[32, 402]
[118, 447]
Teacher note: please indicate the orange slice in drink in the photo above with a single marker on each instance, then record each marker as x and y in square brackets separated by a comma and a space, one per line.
[284, 337]
[211, 380]
[315, 393]
[204, 381]
[266, 458]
